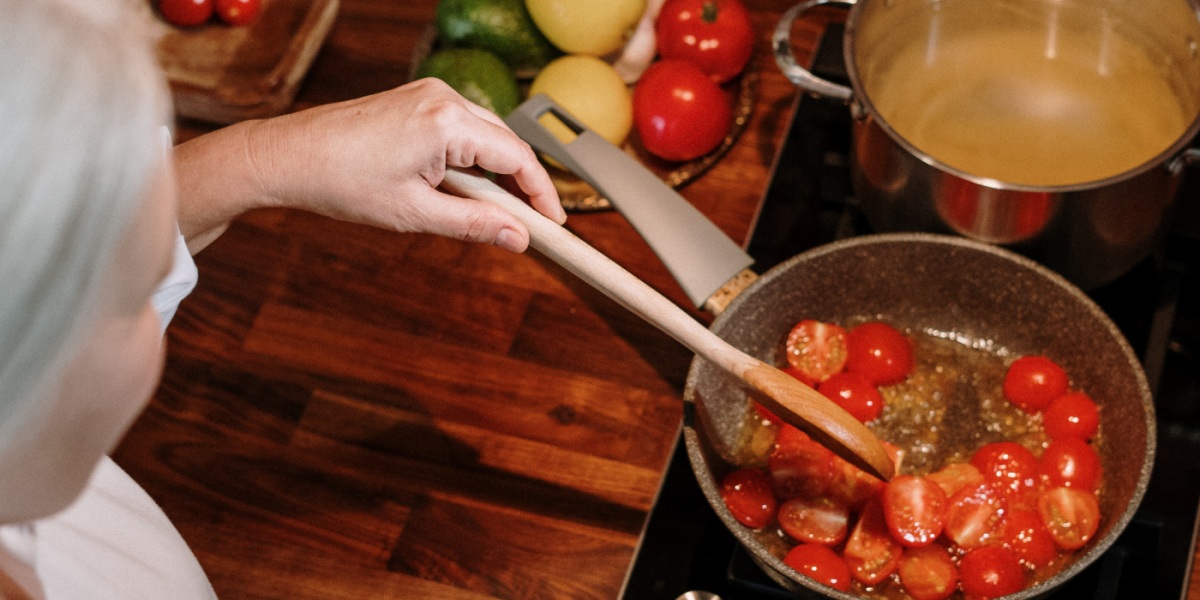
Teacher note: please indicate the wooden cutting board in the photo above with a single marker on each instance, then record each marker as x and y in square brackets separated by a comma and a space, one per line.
[224, 74]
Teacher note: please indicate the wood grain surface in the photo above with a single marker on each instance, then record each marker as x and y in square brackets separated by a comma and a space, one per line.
[349, 413]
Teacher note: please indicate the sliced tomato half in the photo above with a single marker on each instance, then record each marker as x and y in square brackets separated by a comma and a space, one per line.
[871, 552]
[1070, 515]
[915, 510]
[928, 573]
[975, 517]
[818, 520]
[816, 349]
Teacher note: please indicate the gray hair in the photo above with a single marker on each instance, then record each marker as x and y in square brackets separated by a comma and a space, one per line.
[82, 100]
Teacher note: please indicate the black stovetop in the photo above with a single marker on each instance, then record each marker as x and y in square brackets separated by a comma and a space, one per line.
[685, 547]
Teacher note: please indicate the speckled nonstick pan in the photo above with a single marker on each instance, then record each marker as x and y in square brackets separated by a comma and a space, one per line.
[945, 284]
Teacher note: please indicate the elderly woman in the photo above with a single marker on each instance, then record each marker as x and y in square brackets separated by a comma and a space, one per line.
[97, 218]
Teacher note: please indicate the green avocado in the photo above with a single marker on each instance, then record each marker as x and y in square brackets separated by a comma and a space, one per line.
[478, 75]
[502, 27]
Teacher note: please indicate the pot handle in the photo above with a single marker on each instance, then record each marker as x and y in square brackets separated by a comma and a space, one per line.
[1189, 156]
[782, 44]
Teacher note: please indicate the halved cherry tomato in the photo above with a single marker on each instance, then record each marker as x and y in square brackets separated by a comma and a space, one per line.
[1071, 462]
[186, 13]
[820, 563]
[747, 494]
[928, 573]
[855, 394]
[816, 349]
[1070, 515]
[851, 485]
[799, 375]
[237, 12]
[767, 415]
[800, 468]
[1011, 466]
[1028, 539]
[915, 509]
[818, 520]
[957, 476]
[1071, 415]
[894, 452]
[879, 352]
[871, 552]
[991, 572]
[789, 435]
[1033, 381]
[975, 516]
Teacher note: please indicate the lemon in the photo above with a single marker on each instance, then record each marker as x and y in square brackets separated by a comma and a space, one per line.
[592, 27]
[502, 27]
[592, 91]
[478, 75]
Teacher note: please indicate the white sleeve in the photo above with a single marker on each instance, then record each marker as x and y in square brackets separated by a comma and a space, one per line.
[178, 284]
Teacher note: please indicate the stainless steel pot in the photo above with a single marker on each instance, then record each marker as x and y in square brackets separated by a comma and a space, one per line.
[1090, 230]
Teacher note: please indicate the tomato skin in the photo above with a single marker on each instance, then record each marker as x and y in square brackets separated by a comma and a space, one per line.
[767, 415]
[800, 468]
[957, 476]
[818, 520]
[852, 486]
[1012, 467]
[679, 113]
[855, 394]
[747, 494]
[928, 573]
[975, 516]
[1071, 462]
[237, 12]
[915, 510]
[880, 352]
[821, 564]
[816, 349]
[1032, 382]
[871, 552]
[186, 13]
[716, 35]
[991, 572]
[1071, 415]
[1070, 515]
[1028, 539]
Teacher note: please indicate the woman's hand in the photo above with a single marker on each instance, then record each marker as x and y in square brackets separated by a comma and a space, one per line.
[377, 160]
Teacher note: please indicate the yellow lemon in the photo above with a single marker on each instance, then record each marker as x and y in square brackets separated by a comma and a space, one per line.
[592, 27]
[589, 89]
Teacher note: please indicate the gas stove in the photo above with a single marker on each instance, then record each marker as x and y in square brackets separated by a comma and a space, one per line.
[686, 548]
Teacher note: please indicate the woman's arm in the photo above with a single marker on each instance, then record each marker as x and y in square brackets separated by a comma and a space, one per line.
[377, 160]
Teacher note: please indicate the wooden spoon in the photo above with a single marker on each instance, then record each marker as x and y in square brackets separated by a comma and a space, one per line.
[790, 400]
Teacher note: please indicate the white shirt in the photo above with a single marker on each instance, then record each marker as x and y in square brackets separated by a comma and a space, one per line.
[114, 542]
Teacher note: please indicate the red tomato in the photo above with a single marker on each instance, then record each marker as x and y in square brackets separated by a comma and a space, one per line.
[928, 573]
[767, 415]
[821, 564]
[894, 452]
[975, 516]
[816, 349]
[871, 552]
[1071, 462]
[1011, 466]
[1028, 539]
[801, 467]
[1033, 381]
[680, 114]
[915, 509]
[186, 13]
[799, 375]
[957, 476]
[879, 352]
[237, 12]
[991, 572]
[716, 35]
[747, 494]
[852, 486]
[818, 520]
[854, 393]
[1070, 515]
[1071, 415]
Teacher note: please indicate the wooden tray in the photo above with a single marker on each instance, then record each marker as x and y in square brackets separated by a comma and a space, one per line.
[225, 74]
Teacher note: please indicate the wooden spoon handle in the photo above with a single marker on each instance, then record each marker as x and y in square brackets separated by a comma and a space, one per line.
[790, 400]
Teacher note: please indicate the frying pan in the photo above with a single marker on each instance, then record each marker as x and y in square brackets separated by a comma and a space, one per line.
[954, 288]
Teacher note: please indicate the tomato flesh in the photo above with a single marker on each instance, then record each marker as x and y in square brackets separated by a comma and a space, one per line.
[991, 572]
[1032, 382]
[800, 468]
[816, 349]
[1071, 462]
[1071, 415]
[748, 496]
[928, 573]
[1011, 466]
[1070, 515]
[880, 352]
[915, 510]
[818, 520]
[871, 552]
[975, 515]
[957, 476]
[820, 563]
[1028, 539]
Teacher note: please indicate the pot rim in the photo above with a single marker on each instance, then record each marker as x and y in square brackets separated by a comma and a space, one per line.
[860, 101]
[708, 482]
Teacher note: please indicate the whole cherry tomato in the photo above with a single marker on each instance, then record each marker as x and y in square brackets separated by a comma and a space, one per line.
[237, 12]
[928, 573]
[186, 13]
[879, 352]
[815, 520]
[991, 572]
[680, 114]
[747, 494]
[1071, 462]
[915, 510]
[1033, 381]
[1027, 537]
[716, 35]
[854, 393]
[1070, 515]
[816, 349]
[1071, 415]
[820, 563]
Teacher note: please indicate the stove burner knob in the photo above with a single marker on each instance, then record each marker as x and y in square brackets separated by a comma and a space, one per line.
[698, 595]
